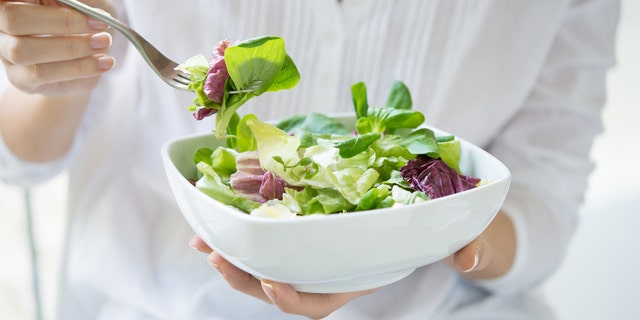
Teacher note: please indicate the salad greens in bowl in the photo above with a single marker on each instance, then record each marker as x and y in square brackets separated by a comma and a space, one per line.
[327, 203]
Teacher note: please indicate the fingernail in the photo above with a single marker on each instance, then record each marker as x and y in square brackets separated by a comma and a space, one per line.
[268, 290]
[97, 24]
[476, 260]
[192, 243]
[100, 40]
[106, 62]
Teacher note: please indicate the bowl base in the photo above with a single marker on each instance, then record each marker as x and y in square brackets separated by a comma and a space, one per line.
[353, 284]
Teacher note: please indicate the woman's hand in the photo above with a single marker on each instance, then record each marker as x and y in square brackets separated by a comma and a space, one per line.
[53, 50]
[311, 305]
[491, 254]
[54, 57]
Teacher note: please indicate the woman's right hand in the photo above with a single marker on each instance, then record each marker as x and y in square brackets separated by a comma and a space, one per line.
[53, 50]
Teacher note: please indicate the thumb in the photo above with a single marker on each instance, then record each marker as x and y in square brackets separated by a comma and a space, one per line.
[473, 257]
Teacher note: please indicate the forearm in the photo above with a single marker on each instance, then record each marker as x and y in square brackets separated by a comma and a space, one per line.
[39, 128]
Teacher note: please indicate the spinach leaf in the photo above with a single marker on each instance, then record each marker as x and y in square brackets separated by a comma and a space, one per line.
[395, 116]
[358, 144]
[287, 78]
[359, 95]
[254, 64]
[313, 123]
[421, 141]
[383, 119]
[291, 124]
[400, 97]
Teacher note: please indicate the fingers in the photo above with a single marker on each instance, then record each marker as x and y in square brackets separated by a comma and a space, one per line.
[284, 296]
[237, 279]
[52, 50]
[51, 64]
[35, 50]
[59, 77]
[199, 244]
[20, 19]
[311, 305]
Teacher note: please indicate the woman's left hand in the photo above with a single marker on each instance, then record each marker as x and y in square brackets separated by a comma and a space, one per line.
[491, 254]
[287, 299]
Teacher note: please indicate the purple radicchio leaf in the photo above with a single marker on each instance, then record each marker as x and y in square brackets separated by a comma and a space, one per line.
[202, 113]
[247, 180]
[272, 187]
[253, 182]
[218, 74]
[435, 178]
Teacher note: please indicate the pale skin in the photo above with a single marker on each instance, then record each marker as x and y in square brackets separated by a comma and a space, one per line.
[52, 79]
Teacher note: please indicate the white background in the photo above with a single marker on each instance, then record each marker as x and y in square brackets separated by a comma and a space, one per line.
[599, 279]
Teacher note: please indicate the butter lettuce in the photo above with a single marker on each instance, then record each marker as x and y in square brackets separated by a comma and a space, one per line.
[279, 153]
[212, 184]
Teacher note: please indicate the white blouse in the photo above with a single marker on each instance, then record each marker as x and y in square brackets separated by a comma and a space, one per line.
[523, 79]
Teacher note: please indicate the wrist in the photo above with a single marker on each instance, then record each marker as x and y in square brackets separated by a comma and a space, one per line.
[38, 128]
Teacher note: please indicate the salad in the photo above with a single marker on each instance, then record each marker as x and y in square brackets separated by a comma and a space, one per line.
[312, 164]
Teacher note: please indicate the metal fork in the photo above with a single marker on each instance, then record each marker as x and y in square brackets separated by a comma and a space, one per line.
[161, 65]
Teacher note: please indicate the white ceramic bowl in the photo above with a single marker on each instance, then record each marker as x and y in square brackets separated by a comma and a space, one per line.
[341, 252]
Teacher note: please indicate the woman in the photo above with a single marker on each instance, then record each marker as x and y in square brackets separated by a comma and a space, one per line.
[524, 80]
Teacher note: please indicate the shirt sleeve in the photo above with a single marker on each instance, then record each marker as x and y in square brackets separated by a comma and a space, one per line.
[547, 144]
[23, 173]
